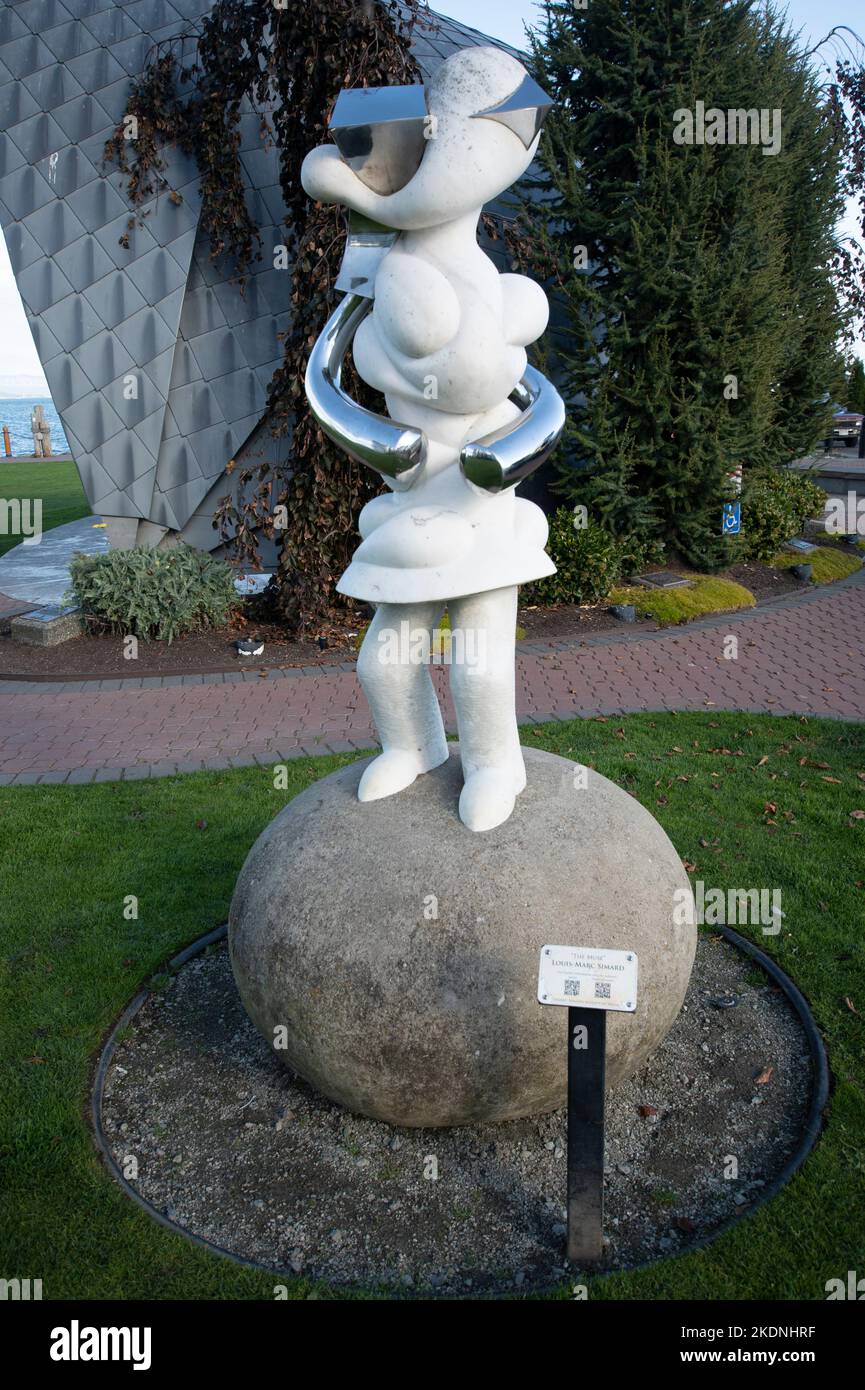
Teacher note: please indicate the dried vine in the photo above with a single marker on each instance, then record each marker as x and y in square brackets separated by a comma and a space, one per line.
[848, 94]
[846, 97]
[288, 61]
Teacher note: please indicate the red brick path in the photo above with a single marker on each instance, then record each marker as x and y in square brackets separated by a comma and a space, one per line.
[804, 657]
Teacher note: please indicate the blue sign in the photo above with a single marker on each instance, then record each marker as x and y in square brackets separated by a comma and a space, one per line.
[731, 522]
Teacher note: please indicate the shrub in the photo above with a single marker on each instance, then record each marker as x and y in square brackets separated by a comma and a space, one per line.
[588, 561]
[158, 594]
[640, 553]
[775, 506]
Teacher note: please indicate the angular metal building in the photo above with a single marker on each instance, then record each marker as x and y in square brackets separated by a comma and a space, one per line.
[157, 365]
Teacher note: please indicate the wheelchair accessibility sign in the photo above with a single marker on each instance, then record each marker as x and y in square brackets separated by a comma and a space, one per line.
[731, 523]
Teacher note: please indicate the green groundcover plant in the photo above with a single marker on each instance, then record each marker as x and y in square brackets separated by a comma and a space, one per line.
[159, 594]
[703, 594]
[828, 563]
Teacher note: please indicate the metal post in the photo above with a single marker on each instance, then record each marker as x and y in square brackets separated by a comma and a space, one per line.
[586, 1075]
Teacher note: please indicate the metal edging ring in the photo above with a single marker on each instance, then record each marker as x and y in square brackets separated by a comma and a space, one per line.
[814, 1124]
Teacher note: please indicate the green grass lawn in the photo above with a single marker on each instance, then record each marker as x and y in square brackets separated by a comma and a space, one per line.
[57, 483]
[749, 801]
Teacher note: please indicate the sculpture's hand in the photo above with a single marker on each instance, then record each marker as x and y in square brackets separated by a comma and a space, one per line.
[502, 459]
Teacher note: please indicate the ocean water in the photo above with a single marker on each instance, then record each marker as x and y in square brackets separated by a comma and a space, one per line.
[16, 414]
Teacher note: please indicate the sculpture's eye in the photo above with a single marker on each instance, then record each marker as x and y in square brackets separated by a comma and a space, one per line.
[379, 131]
[523, 112]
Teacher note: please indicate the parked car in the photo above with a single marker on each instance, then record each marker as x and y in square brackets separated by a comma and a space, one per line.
[846, 427]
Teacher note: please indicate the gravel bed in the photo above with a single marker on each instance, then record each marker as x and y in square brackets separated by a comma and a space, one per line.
[232, 1146]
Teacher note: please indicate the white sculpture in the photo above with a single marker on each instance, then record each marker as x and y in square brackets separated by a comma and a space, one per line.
[445, 344]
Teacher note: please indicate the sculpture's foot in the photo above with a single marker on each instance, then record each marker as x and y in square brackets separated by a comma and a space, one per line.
[396, 769]
[519, 775]
[488, 797]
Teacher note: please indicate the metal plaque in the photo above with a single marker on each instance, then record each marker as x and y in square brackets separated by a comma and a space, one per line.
[585, 977]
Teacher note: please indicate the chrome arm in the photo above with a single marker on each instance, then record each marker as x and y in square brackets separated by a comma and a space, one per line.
[397, 451]
[504, 458]
[497, 461]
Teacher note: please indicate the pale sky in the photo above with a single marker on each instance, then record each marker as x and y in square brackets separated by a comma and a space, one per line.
[506, 19]
[501, 19]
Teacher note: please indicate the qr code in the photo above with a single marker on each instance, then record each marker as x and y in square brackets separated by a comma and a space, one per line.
[602, 989]
[572, 987]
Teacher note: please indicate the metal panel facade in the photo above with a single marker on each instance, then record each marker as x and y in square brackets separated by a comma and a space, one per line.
[157, 364]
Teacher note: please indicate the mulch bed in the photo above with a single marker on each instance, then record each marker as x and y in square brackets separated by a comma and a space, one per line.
[567, 622]
[764, 581]
[101, 657]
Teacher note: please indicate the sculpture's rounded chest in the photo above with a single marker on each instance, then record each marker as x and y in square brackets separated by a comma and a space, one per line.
[436, 332]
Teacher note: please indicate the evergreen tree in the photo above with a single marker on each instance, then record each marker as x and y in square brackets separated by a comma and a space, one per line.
[855, 398]
[695, 333]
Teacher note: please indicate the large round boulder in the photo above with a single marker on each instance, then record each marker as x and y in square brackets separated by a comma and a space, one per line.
[390, 956]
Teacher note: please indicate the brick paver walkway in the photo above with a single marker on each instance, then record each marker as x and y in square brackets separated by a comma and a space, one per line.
[805, 656]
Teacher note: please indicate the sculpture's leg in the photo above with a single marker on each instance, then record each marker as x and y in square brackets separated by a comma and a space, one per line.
[392, 668]
[483, 685]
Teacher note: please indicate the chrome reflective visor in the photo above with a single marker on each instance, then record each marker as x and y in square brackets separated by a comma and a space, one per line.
[523, 112]
[381, 132]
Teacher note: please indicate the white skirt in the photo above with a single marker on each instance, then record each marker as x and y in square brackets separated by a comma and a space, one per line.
[444, 539]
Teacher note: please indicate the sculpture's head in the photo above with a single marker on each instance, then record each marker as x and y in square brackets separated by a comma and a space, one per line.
[420, 157]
